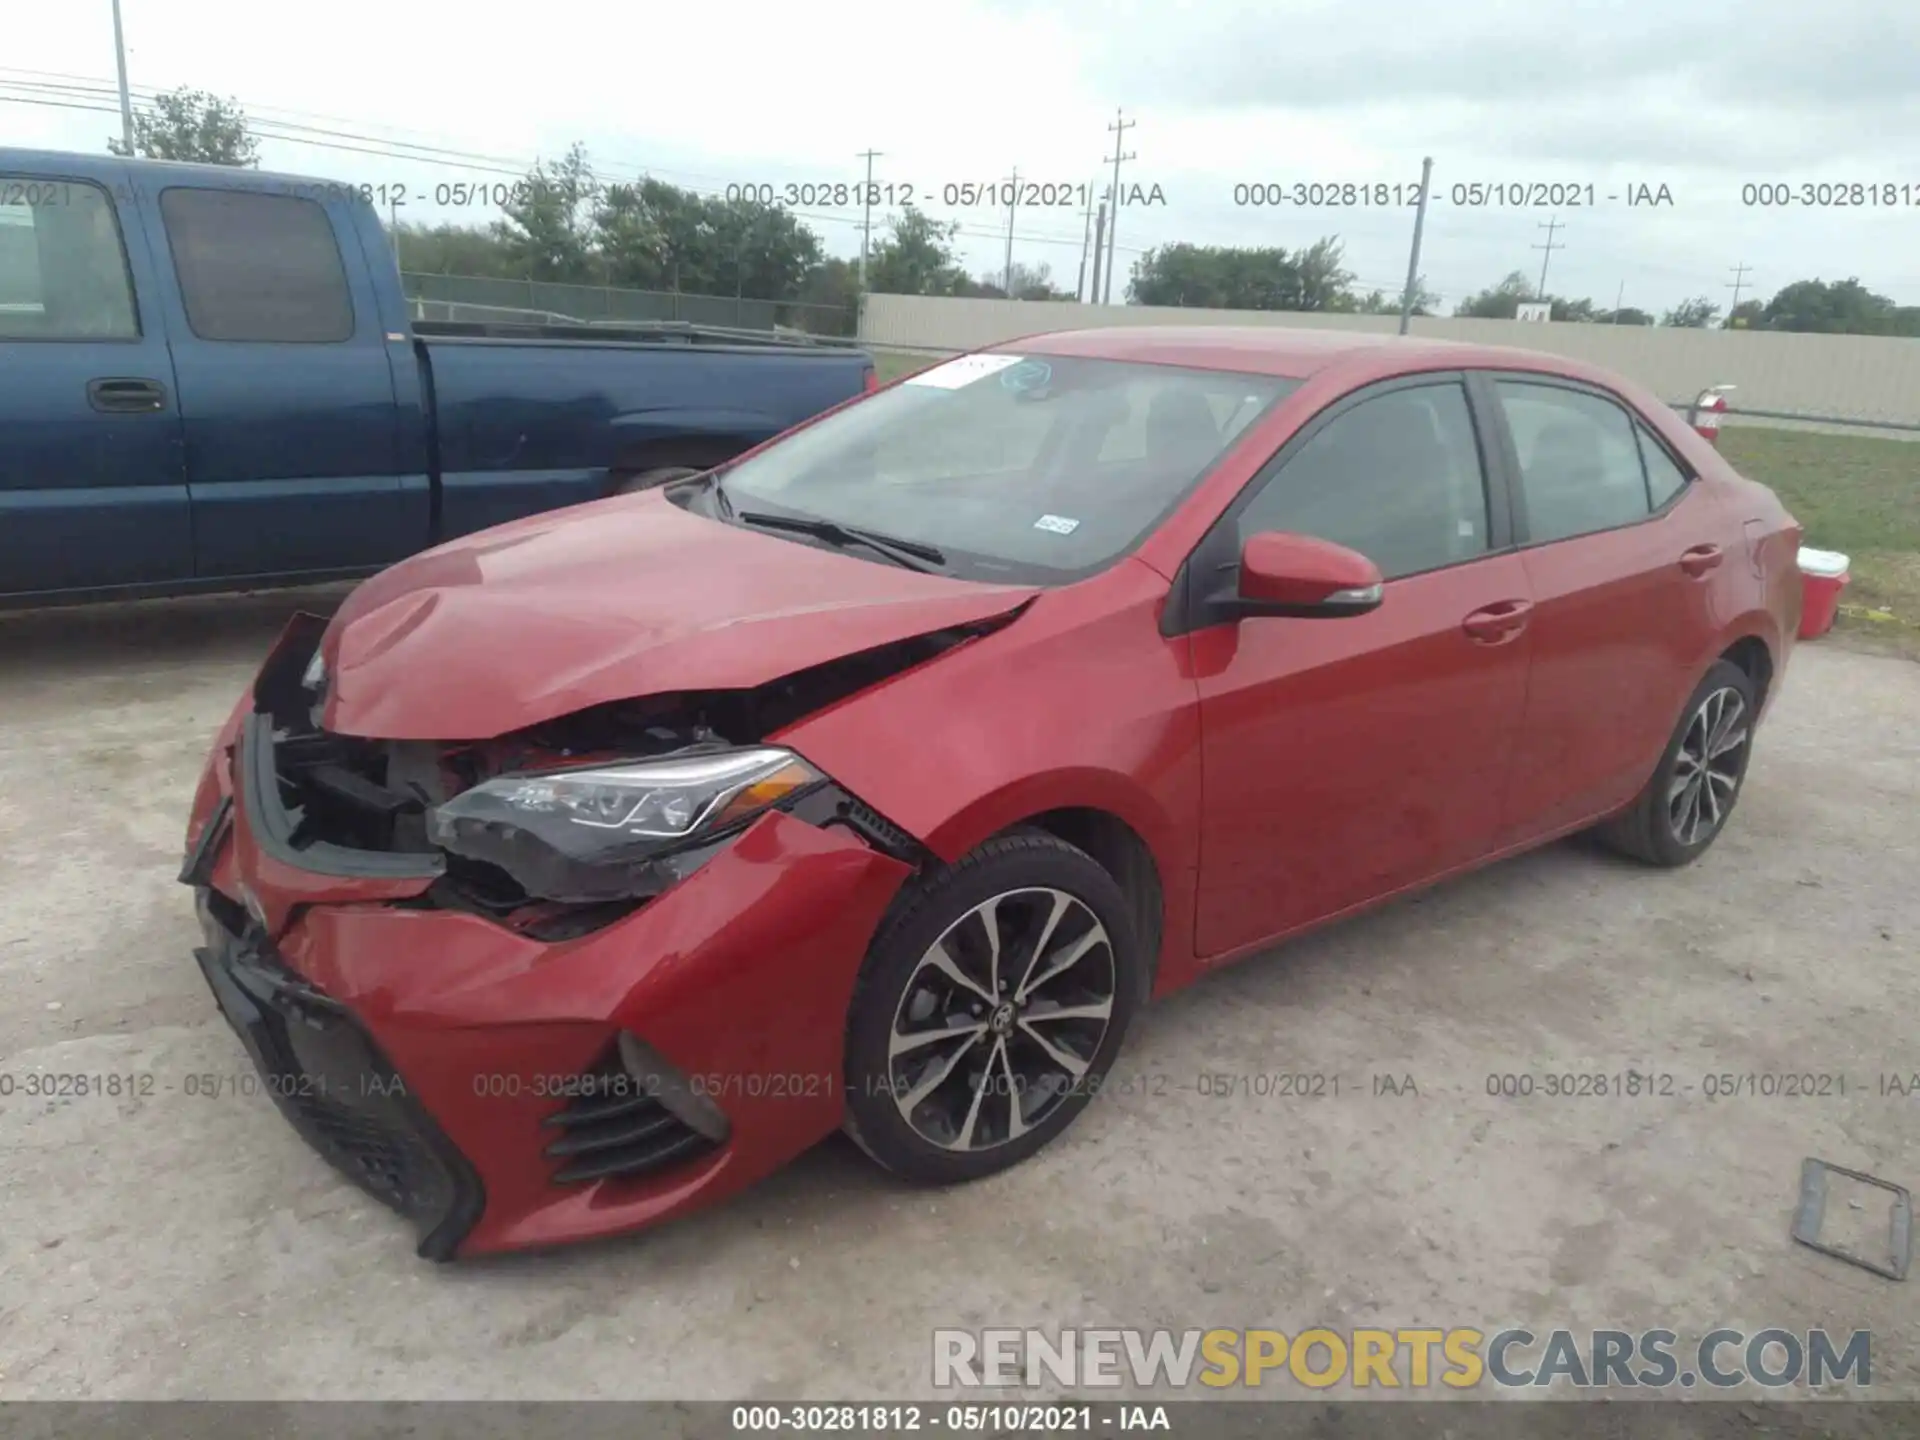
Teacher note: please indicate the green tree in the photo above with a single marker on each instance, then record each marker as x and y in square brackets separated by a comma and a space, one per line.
[1500, 301]
[548, 231]
[1244, 278]
[916, 257]
[1625, 315]
[1747, 315]
[1695, 314]
[1844, 307]
[657, 236]
[189, 124]
[1379, 302]
[449, 249]
[1324, 277]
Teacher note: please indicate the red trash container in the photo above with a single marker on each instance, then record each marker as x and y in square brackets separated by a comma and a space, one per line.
[1823, 575]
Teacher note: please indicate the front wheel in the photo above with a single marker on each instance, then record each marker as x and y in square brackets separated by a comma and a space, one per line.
[1686, 804]
[990, 1009]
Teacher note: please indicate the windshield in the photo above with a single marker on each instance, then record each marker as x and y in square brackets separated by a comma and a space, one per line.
[1030, 469]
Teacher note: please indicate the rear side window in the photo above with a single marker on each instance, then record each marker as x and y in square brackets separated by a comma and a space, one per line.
[1397, 478]
[1664, 478]
[1580, 468]
[257, 267]
[63, 270]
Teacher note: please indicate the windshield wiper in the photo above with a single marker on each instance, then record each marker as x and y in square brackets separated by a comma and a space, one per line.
[908, 554]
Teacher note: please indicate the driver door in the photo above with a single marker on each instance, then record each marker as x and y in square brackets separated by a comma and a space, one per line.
[1347, 758]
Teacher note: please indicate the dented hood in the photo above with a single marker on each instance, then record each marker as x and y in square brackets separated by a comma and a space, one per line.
[609, 601]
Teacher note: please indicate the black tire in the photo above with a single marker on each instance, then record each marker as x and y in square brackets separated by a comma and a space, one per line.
[652, 479]
[1653, 829]
[1023, 871]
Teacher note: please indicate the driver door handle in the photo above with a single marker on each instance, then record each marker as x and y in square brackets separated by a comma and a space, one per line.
[126, 395]
[1700, 559]
[1497, 623]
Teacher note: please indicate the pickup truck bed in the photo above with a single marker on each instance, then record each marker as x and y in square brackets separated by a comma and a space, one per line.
[209, 380]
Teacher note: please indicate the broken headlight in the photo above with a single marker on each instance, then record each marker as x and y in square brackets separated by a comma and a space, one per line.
[615, 832]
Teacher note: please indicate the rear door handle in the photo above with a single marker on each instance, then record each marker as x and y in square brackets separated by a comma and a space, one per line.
[124, 395]
[1700, 559]
[1498, 623]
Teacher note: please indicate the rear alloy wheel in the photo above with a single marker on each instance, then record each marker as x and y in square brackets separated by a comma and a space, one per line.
[1697, 783]
[990, 1009]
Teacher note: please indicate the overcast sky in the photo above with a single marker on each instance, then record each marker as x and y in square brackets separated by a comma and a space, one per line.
[1702, 98]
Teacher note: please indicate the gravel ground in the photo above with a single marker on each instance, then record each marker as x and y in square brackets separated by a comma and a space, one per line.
[185, 1246]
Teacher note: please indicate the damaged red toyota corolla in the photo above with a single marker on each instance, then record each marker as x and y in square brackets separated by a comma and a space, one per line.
[584, 871]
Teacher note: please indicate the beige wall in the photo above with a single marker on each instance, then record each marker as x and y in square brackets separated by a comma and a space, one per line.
[1861, 377]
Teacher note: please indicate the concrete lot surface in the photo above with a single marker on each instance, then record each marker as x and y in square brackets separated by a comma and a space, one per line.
[183, 1246]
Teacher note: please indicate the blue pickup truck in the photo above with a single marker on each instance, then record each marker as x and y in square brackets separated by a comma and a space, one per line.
[209, 380]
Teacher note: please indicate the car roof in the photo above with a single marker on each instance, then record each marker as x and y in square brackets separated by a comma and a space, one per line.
[1281, 350]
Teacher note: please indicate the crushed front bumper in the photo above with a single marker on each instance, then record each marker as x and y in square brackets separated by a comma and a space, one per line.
[459, 1069]
[329, 1078]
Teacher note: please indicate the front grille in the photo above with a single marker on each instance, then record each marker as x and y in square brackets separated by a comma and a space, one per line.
[330, 1080]
[617, 1126]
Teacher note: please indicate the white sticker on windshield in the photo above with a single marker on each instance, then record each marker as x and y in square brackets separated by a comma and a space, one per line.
[1058, 524]
[963, 371]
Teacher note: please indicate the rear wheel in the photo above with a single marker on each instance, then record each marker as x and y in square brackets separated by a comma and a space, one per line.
[990, 1009]
[1686, 804]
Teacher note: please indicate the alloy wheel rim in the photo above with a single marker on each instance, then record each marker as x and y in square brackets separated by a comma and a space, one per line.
[1708, 767]
[1001, 1019]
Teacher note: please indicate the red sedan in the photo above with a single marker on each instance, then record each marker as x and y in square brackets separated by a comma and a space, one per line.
[583, 871]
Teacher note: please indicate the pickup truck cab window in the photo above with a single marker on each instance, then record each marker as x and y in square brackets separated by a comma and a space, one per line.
[256, 267]
[63, 268]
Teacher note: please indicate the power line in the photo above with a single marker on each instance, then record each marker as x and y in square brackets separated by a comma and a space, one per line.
[327, 139]
[1550, 226]
[1119, 128]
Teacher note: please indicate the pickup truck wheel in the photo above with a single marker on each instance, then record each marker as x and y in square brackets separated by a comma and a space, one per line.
[651, 479]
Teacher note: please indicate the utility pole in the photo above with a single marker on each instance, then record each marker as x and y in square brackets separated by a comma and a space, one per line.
[1413, 259]
[1013, 200]
[866, 217]
[1119, 128]
[1086, 237]
[126, 99]
[1618, 301]
[1551, 225]
[1739, 284]
[1099, 240]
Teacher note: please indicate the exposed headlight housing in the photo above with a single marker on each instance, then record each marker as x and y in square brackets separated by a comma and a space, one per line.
[613, 832]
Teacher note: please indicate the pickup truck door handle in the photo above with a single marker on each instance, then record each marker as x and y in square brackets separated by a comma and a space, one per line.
[1498, 623]
[126, 395]
[1700, 559]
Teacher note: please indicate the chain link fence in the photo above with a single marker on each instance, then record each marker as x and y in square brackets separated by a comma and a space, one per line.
[481, 298]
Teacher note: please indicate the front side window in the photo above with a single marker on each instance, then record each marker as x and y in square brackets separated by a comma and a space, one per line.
[1580, 468]
[1397, 477]
[1026, 469]
[257, 267]
[63, 271]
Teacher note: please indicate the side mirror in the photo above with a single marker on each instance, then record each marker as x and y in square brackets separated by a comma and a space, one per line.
[1298, 575]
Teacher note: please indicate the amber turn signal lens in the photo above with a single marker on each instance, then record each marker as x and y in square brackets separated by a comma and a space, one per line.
[767, 790]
